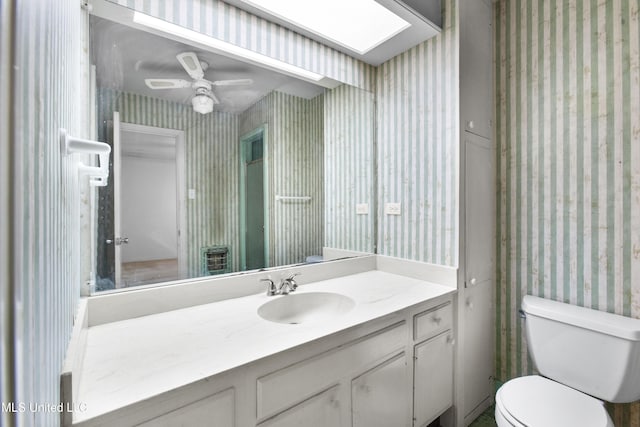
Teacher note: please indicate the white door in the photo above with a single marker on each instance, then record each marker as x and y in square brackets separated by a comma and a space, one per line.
[149, 204]
[480, 209]
[478, 324]
[117, 240]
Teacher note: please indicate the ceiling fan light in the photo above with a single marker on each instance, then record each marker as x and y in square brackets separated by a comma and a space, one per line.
[202, 104]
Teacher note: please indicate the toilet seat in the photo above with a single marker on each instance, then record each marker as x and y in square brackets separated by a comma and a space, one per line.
[503, 418]
[536, 401]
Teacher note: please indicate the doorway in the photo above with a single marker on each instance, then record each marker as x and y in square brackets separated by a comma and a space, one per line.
[254, 253]
[149, 205]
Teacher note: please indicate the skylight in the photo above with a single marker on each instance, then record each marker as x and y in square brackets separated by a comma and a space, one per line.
[222, 46]
[359, 25]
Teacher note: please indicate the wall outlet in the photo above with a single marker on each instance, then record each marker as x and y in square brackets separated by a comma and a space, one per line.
[192, 194]
[362, 208]
[392, 209]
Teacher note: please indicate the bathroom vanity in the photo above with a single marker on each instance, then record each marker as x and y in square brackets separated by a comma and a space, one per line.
[369, 348]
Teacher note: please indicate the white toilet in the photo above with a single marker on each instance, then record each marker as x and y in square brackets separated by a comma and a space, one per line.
[582, 355]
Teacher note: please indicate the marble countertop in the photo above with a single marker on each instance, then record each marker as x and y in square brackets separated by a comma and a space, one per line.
[132, 360]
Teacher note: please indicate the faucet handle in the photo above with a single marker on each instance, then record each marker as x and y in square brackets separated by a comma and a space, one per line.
[271, 289]
[292, 283]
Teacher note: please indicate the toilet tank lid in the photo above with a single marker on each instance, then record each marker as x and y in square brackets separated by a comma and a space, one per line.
[600, 321]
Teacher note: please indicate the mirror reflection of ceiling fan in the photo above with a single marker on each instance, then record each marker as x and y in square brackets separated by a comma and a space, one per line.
[204, 98]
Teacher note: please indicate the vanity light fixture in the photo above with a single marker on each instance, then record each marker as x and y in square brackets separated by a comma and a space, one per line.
[223, 47]
[358, 25]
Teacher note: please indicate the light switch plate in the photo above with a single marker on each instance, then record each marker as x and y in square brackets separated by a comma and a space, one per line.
[392, 209]
[192, 193]
[362, 208]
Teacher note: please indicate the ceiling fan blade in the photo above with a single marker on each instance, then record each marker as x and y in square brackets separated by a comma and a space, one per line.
[166, 83]
[238, 82]
[191, 64]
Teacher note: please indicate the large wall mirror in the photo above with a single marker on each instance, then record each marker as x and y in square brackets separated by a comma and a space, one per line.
[260, 170]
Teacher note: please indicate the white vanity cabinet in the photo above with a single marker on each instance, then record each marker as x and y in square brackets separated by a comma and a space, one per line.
[433, 364]
[394, 372]
[433, 378]
[318, 411]
[380, 397]
[219, 407]
[394, 369]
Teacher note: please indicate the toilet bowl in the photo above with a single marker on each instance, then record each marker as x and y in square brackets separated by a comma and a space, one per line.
[582, 356]
[536, 401]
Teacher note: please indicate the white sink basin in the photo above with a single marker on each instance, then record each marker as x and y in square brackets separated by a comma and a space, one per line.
[305, 307]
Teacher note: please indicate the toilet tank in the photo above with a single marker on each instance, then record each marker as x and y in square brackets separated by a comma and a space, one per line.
[592, 351]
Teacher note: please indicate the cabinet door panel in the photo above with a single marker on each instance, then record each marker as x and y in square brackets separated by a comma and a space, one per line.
[480, 209]
[284, 388]
[215, 411]
[478, 354]
[433, 378]
[322, 410]
[379, 396]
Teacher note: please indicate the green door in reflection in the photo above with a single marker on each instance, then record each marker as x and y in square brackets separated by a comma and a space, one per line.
[254, 202]
[253, 211]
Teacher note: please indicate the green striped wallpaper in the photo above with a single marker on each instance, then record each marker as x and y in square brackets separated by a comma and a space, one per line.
[568, 136]
[297, 162]
[348, 168]
[418, 138]
[295, 168]
[50, 86]
[212, 165]
[226, 22]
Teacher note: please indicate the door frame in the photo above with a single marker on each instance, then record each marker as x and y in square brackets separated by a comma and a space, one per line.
[244, 140]
[181, 199]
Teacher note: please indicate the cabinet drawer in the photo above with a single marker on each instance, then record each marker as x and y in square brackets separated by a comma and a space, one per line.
[288, 386]
[219, 407]
[432, 321]
[318, 411]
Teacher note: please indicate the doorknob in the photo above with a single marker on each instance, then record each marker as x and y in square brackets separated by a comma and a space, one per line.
[118, 241]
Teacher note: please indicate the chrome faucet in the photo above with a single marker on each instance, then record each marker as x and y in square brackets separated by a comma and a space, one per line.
[271, 289]
[285, 287]
[289, 284]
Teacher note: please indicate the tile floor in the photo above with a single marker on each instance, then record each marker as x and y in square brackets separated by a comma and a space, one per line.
[486, 419]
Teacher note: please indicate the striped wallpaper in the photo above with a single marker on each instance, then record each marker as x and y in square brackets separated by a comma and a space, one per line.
[418, 138]
[212, 168]
[226, 22]
[295, 163]
[348, 168]
[295, 168]
[568, 135]
[49, 88]
[6, 211]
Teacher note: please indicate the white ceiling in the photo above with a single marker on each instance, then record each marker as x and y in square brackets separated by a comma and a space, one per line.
[125, 56]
